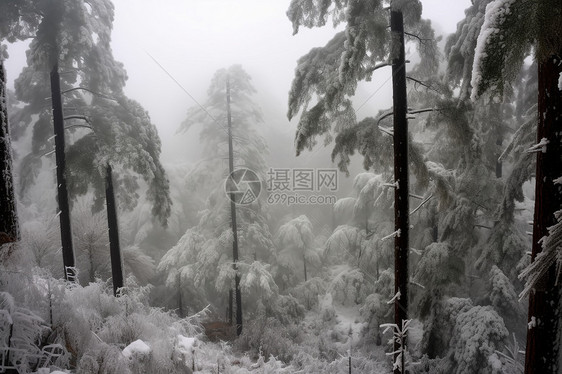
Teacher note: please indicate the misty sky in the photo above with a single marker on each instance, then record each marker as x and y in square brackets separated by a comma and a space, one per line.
[192, 39]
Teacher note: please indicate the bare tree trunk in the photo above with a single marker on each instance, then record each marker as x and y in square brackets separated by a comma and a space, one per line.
[401, 203]
[112, 224]
[62, 192]
[304, 262]
[238, 295]
[543, 338]
[9, 226]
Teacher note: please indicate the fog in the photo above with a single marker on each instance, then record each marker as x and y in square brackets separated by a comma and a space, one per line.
[193, 39]
[160, 43]
[329, 267]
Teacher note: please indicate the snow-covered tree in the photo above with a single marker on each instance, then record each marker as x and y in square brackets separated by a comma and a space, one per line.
[295, 240]
[9, 226]
[510, 31]
[201, 261]
[77, 36]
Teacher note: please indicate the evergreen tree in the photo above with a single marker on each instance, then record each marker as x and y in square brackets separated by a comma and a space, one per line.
[9, 225]
[77, 37]
[201, 261]
[510, 30]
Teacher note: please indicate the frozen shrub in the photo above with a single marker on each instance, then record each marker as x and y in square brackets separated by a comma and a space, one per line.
[103, 358]
[440, 323]
[348, 285]
[268, 337]
[477, 334]
[505, 301]
[286, 309]
[307, 292]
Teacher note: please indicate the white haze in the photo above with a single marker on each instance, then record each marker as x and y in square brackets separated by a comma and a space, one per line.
[192, 39]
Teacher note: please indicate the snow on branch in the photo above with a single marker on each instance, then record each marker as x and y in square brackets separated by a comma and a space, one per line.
[417, 81]
[386, 131]
[539, 147]
[421, 204]
[394, 298]
[391, 185]
[551, 255]
[378, 66]
[90, 91]
[393, 235]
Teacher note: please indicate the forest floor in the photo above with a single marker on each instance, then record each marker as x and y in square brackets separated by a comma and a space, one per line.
[322, 343]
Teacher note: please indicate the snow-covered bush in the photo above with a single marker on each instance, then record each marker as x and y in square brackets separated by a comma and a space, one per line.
[477, 334]
[268, 336]
[348, 286]
[307, 292]
[286, 309]
[505, 301]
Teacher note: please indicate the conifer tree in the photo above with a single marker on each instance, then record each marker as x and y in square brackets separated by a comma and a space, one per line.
[202, 258]
[9, 226]
[510, 30]
[92, 88]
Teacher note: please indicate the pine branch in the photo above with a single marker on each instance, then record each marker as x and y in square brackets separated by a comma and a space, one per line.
[417, 81]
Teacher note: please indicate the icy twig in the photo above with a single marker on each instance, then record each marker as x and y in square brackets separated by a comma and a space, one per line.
[394, 234]
[539, 147]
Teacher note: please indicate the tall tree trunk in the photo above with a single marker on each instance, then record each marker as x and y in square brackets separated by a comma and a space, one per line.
[304, 262]
[9, 226]
[180, 299]
[238, 295]
[401, 203]
[112, 224]
[62, 192]
[543, 338]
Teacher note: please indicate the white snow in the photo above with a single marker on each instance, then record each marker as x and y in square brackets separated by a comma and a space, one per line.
[138, 347]
[494, 17]
[533, 322]
[560, 82]
[186, 344]
[396, 297]
[539, 147]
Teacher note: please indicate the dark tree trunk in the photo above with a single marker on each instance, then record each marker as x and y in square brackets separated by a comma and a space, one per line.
[112, 224]
[62, 192]
[304, 262]
[499, 164]
[543, 340]
[180, 298]
[9, 227]
[238, 295]
[401, 204]
[230, 306]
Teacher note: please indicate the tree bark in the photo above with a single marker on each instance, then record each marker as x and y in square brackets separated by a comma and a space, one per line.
[543, 336]
[9, 225]
[304, 262]
[62, 192]
[401, 196]
[112, 224]
[238, 295]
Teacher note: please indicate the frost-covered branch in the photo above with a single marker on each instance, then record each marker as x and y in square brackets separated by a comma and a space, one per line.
[378, 66]
[421, 204]
[386, 131]
[550, 255]
[417, 81]
[394, 298]
[90, 91]
[539, 147]
[389, 113]
[393, 235]
[399, 335]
